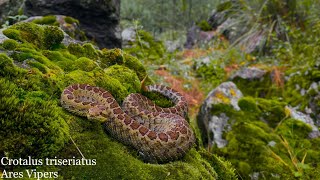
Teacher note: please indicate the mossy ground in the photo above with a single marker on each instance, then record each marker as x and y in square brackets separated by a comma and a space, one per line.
[32, 78]
[264, 138]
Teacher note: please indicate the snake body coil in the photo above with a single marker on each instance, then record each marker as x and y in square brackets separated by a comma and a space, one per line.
[159, 134]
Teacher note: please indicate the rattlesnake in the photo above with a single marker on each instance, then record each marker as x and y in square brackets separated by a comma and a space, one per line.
[159, 134]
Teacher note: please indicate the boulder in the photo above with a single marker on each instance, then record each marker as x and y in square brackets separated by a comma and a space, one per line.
[2, 36]
[128, 36]
[213, 126]
[306, 119]
[70, 27]
[98, 18]
[249, 73]
[198, 37]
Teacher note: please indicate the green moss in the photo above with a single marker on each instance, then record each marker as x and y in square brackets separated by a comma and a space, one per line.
[26, 115]
[204, 25]
[111, 57]
[136, 65]
[53, 36]
[47, 20]
[263, 88]
[79, 76]
[63, 59]
[12, 34]
[248, 140]
[7, 68]
[244, 168]
[271, 111]
[28, 32]
[257, 138]
[85, 64]
[43, 37]
[10, 44]
[90, 51]
[159, 99]
[125, 76]
[71, 20]
[86, 50]
[39, 66]
[294, 129]
[118, 91]
[249, 105]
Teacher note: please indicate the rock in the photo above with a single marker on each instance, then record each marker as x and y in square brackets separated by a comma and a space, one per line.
[227, 23]
[128, 35]
[191, 37]
[218, 125]
[249, 73]
[306, 119]
[226, 93]
[195, 36]
[2, 36]
[172, 46]
[217, 18]
[69, 26]
[98, 18]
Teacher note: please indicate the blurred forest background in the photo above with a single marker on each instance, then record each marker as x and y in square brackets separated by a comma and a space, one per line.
[171, 17]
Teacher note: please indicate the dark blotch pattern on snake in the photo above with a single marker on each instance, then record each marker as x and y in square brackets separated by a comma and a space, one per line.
[159, 134]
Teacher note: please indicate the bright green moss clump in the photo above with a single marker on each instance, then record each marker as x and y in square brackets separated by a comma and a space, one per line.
[86, 50]
[204, 25]
[47, 20]
[52, 37]
[71, 20]
[271, 111]
[10, 44]
[43, 37]
[25, 116]
[125, 76]
[7, 67]
[111, 57]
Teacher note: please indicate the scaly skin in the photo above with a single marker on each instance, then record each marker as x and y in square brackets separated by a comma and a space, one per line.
[159, 134]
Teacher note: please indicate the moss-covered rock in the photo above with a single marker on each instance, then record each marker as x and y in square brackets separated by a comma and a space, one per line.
[47, 20]
[10, 44]
[262, 139]
[68, 24]
[111, 57]
[43, 37]
[85, 64]
[127, 77]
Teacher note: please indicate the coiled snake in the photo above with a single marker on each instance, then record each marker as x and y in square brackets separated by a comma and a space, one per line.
[159, 134]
